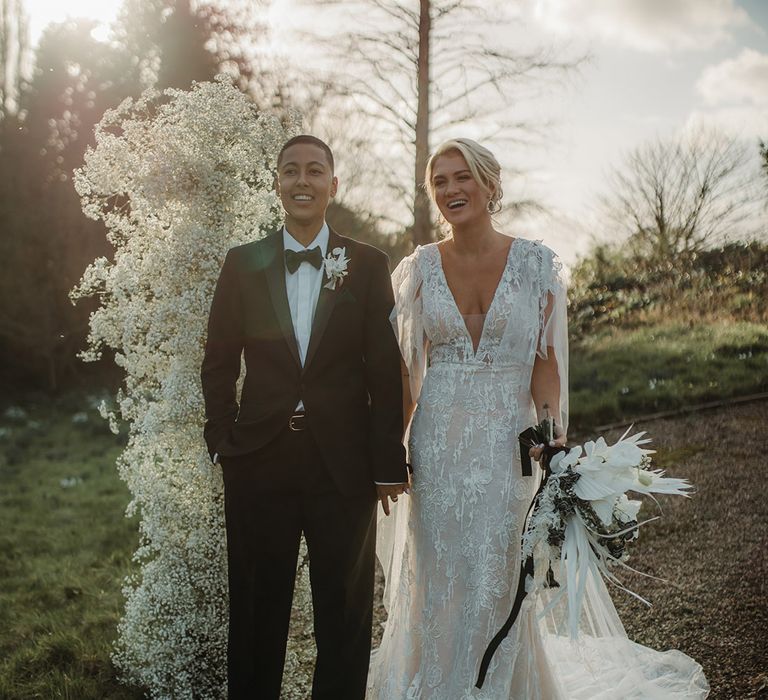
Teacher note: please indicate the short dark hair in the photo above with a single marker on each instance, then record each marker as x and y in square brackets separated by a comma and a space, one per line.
[306, 138]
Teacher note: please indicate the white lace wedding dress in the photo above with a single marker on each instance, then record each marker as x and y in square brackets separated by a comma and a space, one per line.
[451, 551]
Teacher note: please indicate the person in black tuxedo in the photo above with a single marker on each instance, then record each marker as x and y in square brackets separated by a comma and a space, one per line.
[316, 437]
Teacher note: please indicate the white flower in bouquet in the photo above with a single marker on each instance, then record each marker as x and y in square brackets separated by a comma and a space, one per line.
[562, 460]
[627, 510]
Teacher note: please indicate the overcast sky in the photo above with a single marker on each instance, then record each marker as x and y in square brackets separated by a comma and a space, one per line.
[657, 68]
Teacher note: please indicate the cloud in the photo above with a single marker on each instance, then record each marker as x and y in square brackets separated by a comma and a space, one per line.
[735, 92]
[740, 80]
[745, 122]
[646, 25]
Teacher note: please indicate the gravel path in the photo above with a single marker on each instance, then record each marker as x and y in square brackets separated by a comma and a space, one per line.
[712, 550]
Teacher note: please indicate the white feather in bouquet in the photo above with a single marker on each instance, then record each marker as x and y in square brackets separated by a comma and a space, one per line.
[583, 518]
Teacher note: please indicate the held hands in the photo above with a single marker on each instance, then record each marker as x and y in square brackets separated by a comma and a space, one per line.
[387, 491]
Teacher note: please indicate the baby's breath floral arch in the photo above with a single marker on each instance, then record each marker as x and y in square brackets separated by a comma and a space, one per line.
[178, 178]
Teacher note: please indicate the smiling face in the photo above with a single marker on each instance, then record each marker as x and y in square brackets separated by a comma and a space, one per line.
[306, 184]
[459, 197]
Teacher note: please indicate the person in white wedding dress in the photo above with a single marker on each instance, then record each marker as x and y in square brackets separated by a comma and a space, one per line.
[481, 322]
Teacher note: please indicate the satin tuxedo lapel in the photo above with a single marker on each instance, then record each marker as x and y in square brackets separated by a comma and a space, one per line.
[325, 304]
[275, 272]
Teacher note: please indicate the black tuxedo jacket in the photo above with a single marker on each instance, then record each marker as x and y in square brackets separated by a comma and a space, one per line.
[350, 383]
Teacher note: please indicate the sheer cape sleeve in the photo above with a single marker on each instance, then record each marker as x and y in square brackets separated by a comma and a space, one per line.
[553, 324]
[407, 319]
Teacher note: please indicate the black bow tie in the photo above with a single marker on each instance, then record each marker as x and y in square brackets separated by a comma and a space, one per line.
[294, 258]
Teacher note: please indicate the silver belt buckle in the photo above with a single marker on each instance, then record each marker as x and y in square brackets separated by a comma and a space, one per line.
[297, 422]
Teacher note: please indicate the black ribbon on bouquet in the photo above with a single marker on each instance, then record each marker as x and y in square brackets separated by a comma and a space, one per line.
[526, 567]
[525, 458]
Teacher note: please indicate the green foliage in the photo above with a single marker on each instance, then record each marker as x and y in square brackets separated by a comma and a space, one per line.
[619, 373]
[612, 289]
[65, 547]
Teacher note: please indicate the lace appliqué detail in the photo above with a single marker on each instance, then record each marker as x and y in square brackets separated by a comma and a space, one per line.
[469, 497]
[454, 557]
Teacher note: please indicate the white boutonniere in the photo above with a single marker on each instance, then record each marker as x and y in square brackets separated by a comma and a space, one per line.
[336, 268]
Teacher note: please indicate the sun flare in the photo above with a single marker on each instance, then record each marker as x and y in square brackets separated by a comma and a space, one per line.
[43, 12]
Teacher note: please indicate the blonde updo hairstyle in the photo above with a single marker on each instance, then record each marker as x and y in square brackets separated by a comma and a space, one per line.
[481, 163]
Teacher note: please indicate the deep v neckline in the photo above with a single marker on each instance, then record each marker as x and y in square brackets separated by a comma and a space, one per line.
[467, 334]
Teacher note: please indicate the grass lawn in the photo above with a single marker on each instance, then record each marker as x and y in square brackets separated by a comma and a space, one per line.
[618, 374]
[65, 547]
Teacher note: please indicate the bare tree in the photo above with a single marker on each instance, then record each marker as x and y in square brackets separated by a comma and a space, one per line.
[675, 197]
[418, 69]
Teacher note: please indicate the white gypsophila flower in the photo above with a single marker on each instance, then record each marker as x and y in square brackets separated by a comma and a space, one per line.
[177, 178]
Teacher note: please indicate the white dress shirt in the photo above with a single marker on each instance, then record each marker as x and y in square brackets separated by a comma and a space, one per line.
[303, 288]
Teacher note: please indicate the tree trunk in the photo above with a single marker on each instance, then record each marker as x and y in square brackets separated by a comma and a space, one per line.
[5, 43]
[422, 220]
[22, 46]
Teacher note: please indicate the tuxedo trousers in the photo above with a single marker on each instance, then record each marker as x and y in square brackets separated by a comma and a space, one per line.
[272, 496]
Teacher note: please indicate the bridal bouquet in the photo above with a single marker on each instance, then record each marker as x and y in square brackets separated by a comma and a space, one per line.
[582, 519]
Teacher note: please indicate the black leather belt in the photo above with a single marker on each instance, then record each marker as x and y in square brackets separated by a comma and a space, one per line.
[298, 422]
